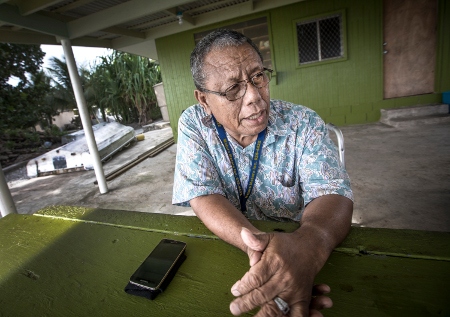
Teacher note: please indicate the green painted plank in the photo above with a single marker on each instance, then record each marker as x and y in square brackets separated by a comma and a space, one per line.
[55, 267]
[188, 226]
[401, 243]
[382, 286]
[59, 267]
[407, 243]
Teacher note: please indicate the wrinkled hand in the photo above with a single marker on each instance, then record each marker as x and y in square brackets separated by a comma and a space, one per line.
[282, 264]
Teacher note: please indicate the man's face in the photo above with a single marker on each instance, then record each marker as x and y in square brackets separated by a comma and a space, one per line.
[244, 118]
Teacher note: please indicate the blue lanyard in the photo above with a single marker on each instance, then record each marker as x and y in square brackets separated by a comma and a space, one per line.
[255, 163]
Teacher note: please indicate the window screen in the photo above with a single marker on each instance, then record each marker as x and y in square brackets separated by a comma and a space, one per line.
[320, 39]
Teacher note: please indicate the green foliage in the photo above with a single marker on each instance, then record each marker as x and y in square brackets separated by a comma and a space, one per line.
[18, 60]
[18, 103]
[155, 113]
[10, 144]
[123, 84]
[18, 134]
[62, 91]
[53, 131]
[46, 107]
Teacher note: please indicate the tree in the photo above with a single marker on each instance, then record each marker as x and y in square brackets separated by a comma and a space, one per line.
[137, 76]
[18, 103]
[103, 90]
[123, 84]
[63, 93]
[46, 107]
[19, 60]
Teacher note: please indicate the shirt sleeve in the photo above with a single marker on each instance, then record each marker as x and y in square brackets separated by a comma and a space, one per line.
[195, 173]
[320, 170]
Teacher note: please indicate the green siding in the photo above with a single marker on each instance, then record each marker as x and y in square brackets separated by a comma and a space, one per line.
[443, 53]
[333, 89]
[342, 92]
[174, 52]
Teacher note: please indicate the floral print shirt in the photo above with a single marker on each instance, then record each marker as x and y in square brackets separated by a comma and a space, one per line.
[298, 162]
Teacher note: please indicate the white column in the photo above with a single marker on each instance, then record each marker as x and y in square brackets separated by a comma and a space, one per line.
[6, 202]
[84, 115]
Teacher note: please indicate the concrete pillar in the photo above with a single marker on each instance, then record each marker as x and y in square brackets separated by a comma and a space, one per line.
[6, 202]
[84, 115]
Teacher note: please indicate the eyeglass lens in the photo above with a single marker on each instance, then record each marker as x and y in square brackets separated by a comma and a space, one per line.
[238, 90]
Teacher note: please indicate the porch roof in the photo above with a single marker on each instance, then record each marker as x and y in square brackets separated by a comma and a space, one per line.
[126, 25]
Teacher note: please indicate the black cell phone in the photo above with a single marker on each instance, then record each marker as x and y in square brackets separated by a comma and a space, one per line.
[153, 271]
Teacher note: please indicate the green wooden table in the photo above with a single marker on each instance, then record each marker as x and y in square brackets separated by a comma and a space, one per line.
[72, 261]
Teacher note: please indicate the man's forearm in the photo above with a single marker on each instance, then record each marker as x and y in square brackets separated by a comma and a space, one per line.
[325, 223]
[326, 220]
[222, 218]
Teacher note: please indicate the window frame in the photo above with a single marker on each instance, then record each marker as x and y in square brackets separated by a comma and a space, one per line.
[316, 18]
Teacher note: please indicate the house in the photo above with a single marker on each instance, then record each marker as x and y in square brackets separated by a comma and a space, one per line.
[346, 59]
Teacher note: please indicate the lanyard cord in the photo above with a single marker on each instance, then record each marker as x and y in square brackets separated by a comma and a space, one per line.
[255, 163]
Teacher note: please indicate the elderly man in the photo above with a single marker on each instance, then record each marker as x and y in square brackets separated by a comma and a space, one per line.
[243, 156]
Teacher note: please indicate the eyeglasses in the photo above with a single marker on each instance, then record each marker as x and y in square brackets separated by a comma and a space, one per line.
[239, 89]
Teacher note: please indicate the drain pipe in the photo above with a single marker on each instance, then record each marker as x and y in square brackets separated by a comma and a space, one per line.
[84, 115]
[6, 202]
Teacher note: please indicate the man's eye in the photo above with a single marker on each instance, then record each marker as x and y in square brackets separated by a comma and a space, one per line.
[235, 87]
[258, 76]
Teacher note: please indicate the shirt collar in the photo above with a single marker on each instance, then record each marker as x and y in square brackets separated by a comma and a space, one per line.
[208, 121]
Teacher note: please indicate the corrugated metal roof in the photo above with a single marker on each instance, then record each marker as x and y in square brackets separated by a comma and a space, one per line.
[72, 9]
[96, 6]
[137, 23]
[132, 25]
[205, 6]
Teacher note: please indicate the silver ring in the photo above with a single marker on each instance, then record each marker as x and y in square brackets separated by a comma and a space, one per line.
[282, 305]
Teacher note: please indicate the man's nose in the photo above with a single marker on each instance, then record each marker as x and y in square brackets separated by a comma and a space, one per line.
[253, 93]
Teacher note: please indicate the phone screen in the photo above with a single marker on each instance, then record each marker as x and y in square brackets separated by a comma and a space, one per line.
[152, 272]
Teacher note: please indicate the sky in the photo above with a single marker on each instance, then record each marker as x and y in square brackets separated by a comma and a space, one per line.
[84, 56]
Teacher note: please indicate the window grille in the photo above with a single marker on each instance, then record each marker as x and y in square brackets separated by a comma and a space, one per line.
[320, 39]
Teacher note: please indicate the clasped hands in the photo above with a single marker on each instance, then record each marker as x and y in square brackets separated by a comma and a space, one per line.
[283, 265]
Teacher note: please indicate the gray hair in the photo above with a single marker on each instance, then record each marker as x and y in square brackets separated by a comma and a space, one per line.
[219, 38]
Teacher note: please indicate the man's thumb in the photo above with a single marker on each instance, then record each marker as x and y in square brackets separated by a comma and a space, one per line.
[255, 242]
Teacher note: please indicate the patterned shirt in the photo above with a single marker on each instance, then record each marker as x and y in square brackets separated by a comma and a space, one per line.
[298, 162]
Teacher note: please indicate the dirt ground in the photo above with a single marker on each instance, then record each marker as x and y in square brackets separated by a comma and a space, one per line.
[400, 178]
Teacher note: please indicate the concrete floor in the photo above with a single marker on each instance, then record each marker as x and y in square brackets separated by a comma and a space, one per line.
[400, 178]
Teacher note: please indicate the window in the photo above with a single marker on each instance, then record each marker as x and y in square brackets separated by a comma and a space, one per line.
[320, 39]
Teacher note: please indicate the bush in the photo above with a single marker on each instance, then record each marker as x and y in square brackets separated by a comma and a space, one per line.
[155, 113]
[53, 131]
[9, 144]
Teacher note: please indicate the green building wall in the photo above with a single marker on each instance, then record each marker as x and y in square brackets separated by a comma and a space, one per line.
[343, 92]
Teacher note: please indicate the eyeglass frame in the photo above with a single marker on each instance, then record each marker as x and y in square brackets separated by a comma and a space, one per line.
[224, 94]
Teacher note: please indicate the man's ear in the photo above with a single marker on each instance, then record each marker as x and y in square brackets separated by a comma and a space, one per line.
[201, 98]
